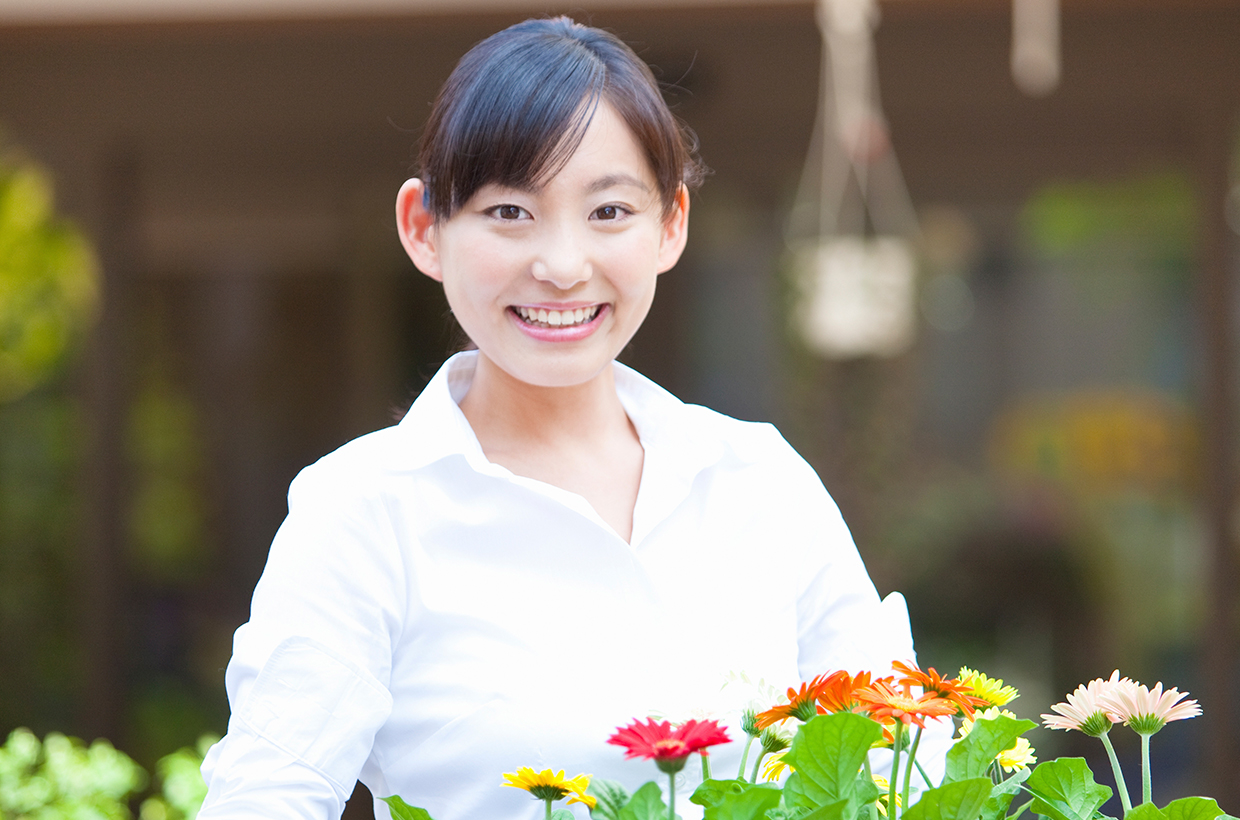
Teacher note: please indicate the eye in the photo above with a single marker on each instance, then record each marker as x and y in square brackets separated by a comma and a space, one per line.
[509, 212]
[611, 212]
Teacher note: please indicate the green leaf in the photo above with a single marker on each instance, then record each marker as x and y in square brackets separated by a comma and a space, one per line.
[971, 756]
[1146, 811]
[611, 796]
[1193, 808]
[787, 813]
[827, 753]
[712, 791]
[562, 814]
[1064, 789]
[403, 811]
[1001, 796]
[962, 800]
[749, 804]
[839, 810]
[645, 804]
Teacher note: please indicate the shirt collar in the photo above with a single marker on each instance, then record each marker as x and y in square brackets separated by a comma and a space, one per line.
[678, 443]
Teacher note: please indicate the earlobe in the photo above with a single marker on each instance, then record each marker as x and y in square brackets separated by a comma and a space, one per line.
[415, 225]
[675, 232]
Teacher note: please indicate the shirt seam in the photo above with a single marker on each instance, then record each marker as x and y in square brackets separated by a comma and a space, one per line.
[284, 749]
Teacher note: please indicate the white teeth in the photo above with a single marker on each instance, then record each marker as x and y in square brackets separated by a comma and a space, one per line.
[557, 318]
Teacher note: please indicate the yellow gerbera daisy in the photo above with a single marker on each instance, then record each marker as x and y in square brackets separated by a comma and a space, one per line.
[546, 785]
[884, 791]
[775, 766]
[988, 689]
[1020, 756]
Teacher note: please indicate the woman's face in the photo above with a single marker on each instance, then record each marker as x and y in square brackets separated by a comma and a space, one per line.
[552, 283]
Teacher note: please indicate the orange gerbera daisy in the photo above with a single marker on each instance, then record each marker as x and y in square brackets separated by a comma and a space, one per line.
[802, 705]
[932, 683]
[884, 701]
[839, 692]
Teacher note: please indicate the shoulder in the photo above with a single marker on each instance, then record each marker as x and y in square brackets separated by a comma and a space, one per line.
[354, 470]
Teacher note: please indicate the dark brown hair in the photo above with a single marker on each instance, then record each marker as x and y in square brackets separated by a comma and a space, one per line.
[518, 103]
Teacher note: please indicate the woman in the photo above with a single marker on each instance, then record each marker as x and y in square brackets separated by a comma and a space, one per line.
[547, 545]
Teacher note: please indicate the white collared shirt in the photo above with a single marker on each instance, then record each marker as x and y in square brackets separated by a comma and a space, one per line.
[428, 620]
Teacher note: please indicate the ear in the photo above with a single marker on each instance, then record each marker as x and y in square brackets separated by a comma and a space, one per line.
[416, 227]
[675, 231]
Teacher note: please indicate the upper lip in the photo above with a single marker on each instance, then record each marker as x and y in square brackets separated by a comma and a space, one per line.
[560, 306]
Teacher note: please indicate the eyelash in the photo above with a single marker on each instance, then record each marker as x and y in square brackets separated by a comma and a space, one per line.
[620, 210]
[497, 211]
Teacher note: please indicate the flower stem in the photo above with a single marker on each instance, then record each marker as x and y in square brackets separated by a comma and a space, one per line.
[740, 770]
[705, 766]
[1120, 785]
[671, 796]
[869, 774]
[753, 776]
[925, 777]
[898, 737]
[548, 802]
[908, 766]
[1146, 789]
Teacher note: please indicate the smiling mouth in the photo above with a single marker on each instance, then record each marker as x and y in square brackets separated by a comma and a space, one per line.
[542, 318]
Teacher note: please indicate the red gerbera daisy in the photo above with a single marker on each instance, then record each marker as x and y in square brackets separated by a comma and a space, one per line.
[668, 747]
[932, 683]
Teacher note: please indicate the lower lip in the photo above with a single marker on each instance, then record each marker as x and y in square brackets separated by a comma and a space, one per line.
[571, 333]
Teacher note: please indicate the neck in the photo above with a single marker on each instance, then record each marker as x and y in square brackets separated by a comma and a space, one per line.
[506, 412]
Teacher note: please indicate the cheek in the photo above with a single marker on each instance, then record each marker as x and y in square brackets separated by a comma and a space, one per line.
[475, 277]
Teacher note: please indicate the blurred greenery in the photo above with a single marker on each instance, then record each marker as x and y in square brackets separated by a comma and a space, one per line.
[40, 446]
[48, 295]
[48, 278]
[61, 778]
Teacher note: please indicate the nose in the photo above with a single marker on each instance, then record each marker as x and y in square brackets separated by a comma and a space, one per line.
[562, 260]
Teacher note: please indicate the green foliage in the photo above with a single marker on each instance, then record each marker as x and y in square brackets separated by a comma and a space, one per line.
[611, 797]
[62, 777]
[827, 754]
[182, 789]
[1193, 808]
[736, 799]
[960, 800]
[1002, 795]
[973, 755]
[48, 278]
[645, 804]
[400, 810]
[1064, 789]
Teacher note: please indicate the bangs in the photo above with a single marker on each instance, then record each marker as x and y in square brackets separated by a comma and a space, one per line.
[513, 119]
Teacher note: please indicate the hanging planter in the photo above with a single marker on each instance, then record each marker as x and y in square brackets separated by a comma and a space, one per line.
[852, 224]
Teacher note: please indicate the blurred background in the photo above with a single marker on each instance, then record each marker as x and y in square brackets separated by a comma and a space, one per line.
[201, 291]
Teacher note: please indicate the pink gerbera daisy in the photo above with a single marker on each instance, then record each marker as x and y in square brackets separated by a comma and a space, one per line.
[1145, 711]
[1086, 711]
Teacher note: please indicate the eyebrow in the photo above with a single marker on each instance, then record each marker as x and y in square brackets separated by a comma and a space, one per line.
[613, 180]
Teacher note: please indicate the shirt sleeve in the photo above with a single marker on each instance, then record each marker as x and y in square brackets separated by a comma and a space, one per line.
[308, 680]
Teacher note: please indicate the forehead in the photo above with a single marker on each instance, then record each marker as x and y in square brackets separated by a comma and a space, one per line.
[607, 155]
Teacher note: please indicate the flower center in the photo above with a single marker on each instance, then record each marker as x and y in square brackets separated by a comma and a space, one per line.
[669, 748]
[902, 704]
